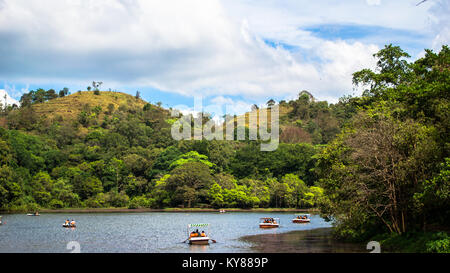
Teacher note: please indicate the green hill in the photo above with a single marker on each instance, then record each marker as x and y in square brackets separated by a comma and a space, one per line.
[69, 107]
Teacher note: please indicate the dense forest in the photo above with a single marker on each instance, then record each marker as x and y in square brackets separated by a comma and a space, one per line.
[375, 164]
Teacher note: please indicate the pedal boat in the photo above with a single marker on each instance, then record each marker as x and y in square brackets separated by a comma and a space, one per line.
[268, 222]
[301, 218]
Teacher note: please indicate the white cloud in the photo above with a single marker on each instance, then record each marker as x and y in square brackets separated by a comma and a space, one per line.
[373, 2]
[213, 48]
[440, 22]
[5, 98]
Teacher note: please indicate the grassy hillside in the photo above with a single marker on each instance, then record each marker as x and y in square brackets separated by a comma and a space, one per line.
[304, 120]
[69, 107]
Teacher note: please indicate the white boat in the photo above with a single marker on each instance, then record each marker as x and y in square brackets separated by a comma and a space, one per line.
[197, 239]
[269, 222]
[222, 211]
[33, 214]
[1, 223]
[301, 218]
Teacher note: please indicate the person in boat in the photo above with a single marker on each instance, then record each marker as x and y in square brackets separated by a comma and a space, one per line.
[203, 234]
[67, 222]
[72, 223]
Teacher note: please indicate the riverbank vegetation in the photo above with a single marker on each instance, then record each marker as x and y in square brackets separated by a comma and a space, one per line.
[388, 171]
[377, 164]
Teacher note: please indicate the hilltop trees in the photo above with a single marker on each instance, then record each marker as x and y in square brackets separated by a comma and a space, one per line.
[64, 92]
[40, 96]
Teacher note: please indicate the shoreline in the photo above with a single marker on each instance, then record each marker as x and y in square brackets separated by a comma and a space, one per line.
[126, 210]
[318, 240]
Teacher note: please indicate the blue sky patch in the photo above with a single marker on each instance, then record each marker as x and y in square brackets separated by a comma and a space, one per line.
[275, 44]
[353, 32]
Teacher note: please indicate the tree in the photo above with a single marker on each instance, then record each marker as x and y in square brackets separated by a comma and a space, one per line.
[64, 92]
[392, 69]
[373, 171]
[189, 184]
[297, 190]
[62, 191]
[86, 186]
[42, 185]
[10, 189]
[215, 196]
[192, 156]
[160, 193]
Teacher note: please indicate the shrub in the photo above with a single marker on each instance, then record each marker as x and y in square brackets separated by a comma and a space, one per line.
[441, 245]
[56, 204]
[139, 202]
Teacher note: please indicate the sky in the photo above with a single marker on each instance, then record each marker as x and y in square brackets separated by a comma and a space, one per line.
[229, 52]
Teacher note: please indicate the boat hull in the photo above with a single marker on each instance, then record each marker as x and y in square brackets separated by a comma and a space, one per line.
[269, 225]
[301, 221]
[199, 241]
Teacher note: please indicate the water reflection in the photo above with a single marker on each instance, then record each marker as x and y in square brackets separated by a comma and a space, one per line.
[199, 248]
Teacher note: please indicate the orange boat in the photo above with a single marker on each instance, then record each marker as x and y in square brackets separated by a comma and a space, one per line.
[301, 218]
[269, 222]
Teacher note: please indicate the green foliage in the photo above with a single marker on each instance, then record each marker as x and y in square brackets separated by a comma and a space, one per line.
[188, 184]
[415, 242]
[192, 156]
[439, 244]
[10, 188]
[388, 170]
[140, 202]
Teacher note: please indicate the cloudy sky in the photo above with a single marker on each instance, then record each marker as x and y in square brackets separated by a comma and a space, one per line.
[230, 51]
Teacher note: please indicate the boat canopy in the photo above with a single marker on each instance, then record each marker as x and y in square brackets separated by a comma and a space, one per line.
[303, 214]
[198, 225]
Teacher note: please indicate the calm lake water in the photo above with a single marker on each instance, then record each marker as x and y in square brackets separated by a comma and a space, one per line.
[138, 232]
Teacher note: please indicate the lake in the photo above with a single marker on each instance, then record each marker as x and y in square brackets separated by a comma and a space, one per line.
[152, 232]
